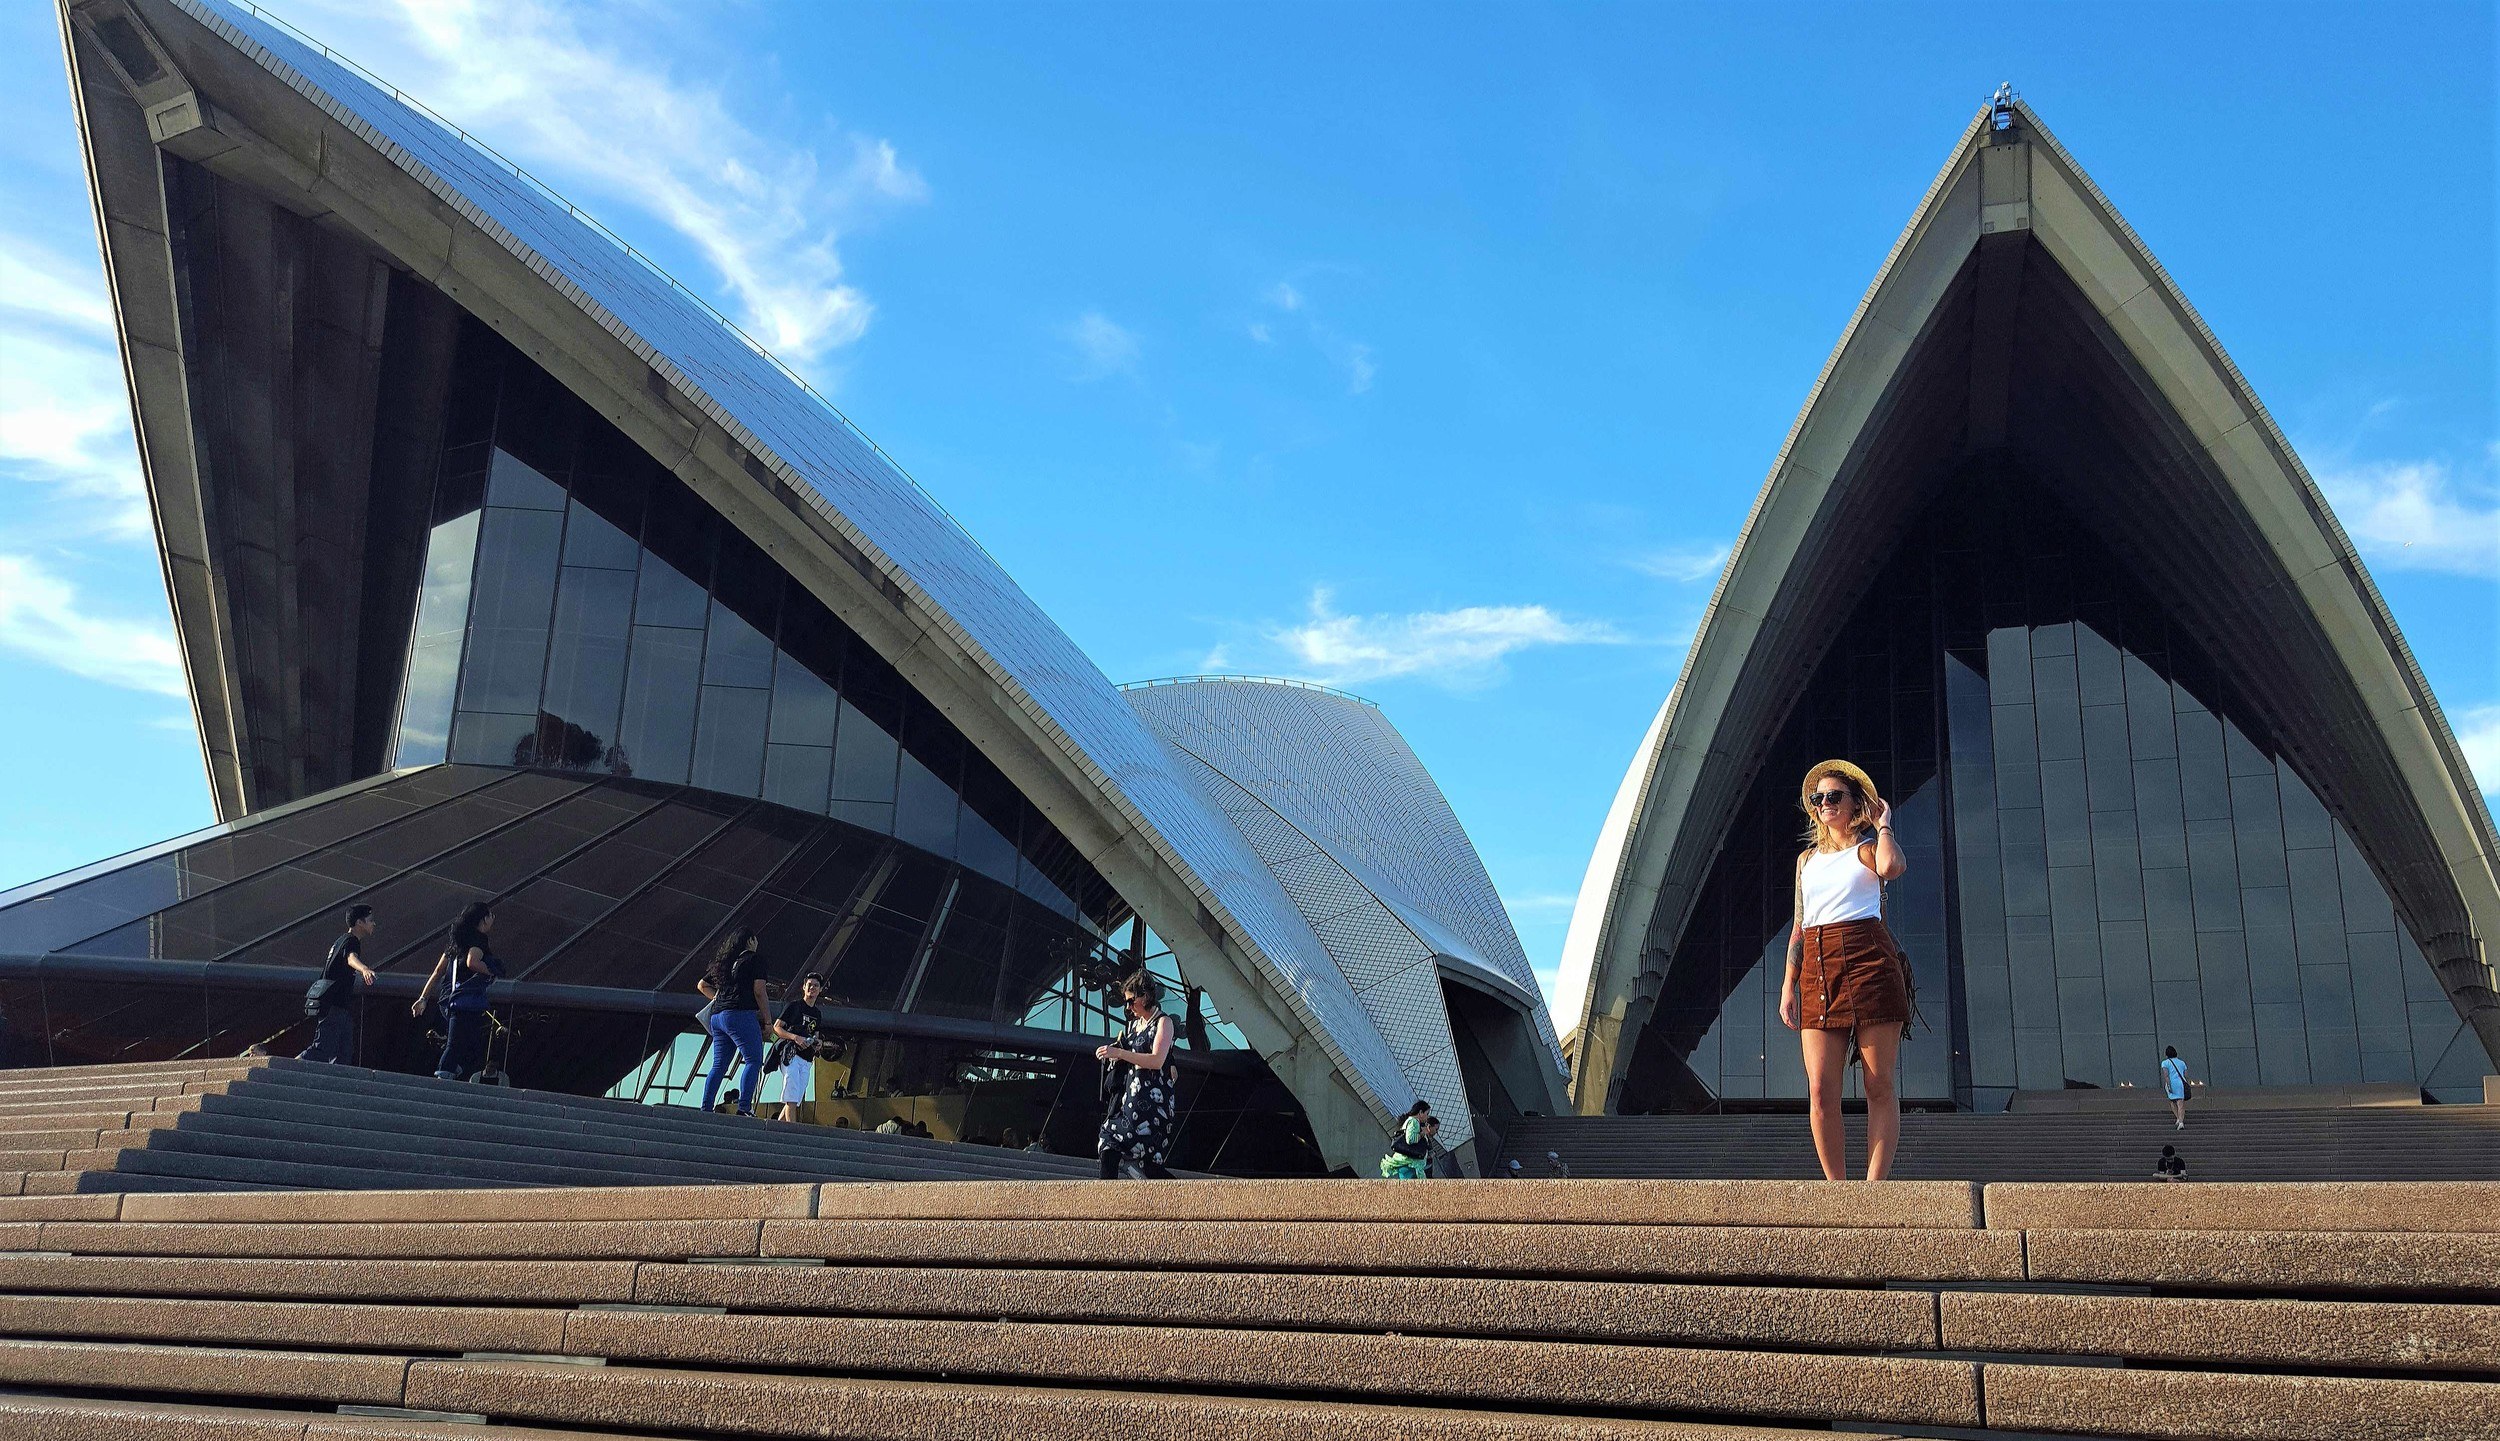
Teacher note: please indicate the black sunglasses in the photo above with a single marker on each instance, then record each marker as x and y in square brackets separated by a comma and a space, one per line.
[1828, 798]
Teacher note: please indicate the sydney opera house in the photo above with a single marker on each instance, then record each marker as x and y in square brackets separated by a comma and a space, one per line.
[503, 569]
[2036, 557]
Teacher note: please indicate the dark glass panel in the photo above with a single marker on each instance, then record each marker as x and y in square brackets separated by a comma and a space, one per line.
[679, 529]
[434, 653]
[911, 889]
[737, 653]
[810, 632]
[123, 1022]
[867, 815]
[89, 907]
[2213, 872]
[462, 487]
[874, 688]
[661, 681]
[586, 663]
[2161, 826]
[729, 740]
[540, 422]
[513, 482]
[419, 910]
[664, 596]
[2067, 829]
[828, 871]
[610, 474]
[2204, 778]
[2150, 734]
[514, 597]
[2257, 821]
[500, 860]
[863, 759]
[592, 541]
[749, 852]
[488, 738]
[805, 708]
[924, 812]
[869, 961]
[748, 582]
[798, 776]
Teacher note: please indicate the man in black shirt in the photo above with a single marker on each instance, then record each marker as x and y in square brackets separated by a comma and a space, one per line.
[330, 999]
[800, 1027]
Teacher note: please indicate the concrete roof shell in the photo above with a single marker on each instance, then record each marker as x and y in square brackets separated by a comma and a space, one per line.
[1339, 807]
[2020, 187]
[757, 417]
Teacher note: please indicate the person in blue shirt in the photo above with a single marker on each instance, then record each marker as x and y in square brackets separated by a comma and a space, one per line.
[2174, 1086]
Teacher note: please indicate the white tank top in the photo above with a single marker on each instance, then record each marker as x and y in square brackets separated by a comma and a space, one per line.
[1839, 887]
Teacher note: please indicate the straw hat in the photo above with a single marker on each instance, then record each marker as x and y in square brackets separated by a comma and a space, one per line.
[1856, 777]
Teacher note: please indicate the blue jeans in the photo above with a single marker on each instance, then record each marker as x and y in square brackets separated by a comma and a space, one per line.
[744, 1030]
[334, 1036]
[464, 1045]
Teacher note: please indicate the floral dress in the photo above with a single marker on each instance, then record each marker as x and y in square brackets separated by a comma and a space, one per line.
[1141, 1117]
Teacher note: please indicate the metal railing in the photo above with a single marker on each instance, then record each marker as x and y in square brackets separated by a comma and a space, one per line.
[1249, 680]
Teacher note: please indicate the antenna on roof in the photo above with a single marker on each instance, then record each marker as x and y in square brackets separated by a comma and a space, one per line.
[2001, 107]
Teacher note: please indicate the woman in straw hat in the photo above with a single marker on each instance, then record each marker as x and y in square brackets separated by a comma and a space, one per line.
[1848, 986]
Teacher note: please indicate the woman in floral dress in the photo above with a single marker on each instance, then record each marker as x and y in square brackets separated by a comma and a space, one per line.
[1137, 1127]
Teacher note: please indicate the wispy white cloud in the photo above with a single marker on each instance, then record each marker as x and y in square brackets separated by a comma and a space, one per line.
[2417, 515]
[2478, 732]
[550, 83]
[64, 411]
[41, 616]
[1353, 358]
[1103, 347]
[1462, 647]
[1540, 903]
[1683, 564]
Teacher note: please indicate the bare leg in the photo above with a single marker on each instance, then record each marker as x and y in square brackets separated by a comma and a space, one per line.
[1879, 1048]
[2178, 1115]
[1826, 1052]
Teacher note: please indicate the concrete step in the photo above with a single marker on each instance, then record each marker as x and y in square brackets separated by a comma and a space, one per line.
[564, 1283]
[598, 1115]
[2361, 1143]
[2460, 1206]
[694, 1403]
[664, 1240]
[752, 1146]
[77, 1418]
[2332, 1335]
[2407, 1262]
[1834, 1255]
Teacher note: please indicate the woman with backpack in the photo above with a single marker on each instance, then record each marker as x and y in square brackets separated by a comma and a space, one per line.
[1847, 991]
[1410, 1151]
[734, 984]
[474, 969]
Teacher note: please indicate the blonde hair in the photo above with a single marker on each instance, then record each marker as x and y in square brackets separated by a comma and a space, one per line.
[1821, 835]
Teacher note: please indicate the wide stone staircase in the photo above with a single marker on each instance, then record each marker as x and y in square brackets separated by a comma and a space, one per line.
[1309, 1310]
[2424, 1143]
[278, 1123]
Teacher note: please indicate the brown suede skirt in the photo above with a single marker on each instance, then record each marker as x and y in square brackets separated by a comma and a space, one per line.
[1852, 974]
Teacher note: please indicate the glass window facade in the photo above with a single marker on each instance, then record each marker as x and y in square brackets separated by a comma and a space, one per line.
[582, 609]
[2109, 854]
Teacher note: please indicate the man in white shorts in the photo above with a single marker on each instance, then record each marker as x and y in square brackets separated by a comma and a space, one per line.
[801, 1027]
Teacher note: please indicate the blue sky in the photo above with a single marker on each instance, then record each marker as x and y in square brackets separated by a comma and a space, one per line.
[1431, 351]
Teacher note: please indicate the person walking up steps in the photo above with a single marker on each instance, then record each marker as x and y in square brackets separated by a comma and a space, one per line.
[799, 1027]
[332, 999]
[473, 970]
[2174, 1086]
[734, 984]
[1847, 992]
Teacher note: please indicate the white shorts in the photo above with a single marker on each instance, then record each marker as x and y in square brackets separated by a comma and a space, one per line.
[797, 1077]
